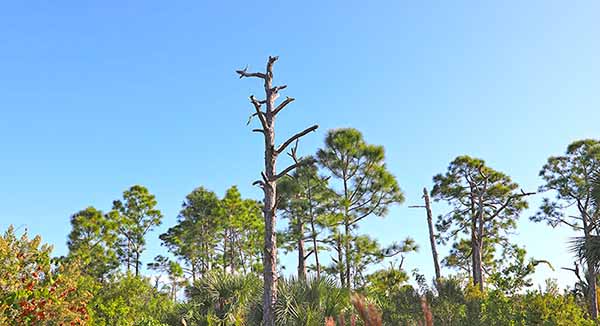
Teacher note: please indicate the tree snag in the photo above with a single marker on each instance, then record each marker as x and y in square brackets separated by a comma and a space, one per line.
[270, 176]
[432, 237]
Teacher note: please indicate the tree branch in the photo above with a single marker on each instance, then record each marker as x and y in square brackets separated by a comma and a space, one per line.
[507, 202]
[294, 137]
[283, 104]
[276, 89]
[292, 167]
[244, 73]
[257, 104]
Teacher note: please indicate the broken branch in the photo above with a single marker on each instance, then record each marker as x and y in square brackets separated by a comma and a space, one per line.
[295, 137]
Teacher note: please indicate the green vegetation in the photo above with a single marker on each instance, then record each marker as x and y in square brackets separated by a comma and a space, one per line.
[211, 271]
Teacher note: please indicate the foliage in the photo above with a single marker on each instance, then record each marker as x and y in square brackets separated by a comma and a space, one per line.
[217, 245]
[128, 300]
[32, 291]
[305, 302]
[216, 233]
[193, 239]
[366, 188]
[485, 206]
[514, 273]
[135, 215]
[222, 299]
[305, 200]
[92, 241]
[571, 177]
[241, 233]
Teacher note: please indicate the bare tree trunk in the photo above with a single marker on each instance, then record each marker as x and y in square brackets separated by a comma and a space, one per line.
[270, 249]
[301, 252]
[477, 265]
[477, 236]
[137, 263]
[340, 263]
[347, 231]
[128, 255]
[225, 251]
[313, 231]
[348, 254]
[434, 254]
[315, 248]
[592, 274]
[270, 177]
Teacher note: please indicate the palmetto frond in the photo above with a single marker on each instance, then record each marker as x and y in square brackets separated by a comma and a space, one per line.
[586, 249]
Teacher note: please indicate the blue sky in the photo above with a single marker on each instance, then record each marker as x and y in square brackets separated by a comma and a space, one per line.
[96, 96]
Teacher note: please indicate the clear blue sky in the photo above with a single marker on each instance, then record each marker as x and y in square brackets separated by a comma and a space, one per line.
[96, 96]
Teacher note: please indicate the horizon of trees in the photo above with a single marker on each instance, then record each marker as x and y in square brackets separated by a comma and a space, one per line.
[324, 202]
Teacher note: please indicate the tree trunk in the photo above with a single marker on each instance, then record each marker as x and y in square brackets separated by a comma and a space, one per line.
[476, 253]
[348, 254]
[592, 274]
[128, 256]
[434, 254]
[301, 252]
[269, 179]
[270, 249]
[346, 236]
[593, 290]
[315, 248]
[477, 238]
[340, 263]
[477, 265]
[225, 251]
[137, 263]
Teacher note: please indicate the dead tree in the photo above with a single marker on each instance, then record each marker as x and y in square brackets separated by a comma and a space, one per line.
[434, 253]
[266, 110]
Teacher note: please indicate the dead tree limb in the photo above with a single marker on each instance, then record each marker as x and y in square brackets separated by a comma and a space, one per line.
[432, 237]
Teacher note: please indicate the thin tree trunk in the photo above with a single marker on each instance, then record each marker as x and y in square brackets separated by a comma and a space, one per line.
[128, 255]
[232, 255]
[313, 229]
[315, 247]
[225, 251]
[346, 232]
[477, 238]
[347, 248]
[137, 263]
[193, 272]
[592, 274]
[340, 251]
[301, 252]
[434, 254]
[269, 179]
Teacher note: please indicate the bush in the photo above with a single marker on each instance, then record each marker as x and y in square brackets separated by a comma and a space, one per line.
[33, 291]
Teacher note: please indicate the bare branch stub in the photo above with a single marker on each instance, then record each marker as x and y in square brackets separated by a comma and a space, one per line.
[244, 73]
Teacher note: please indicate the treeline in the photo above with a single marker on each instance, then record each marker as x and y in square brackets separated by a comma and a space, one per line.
[215, 251]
